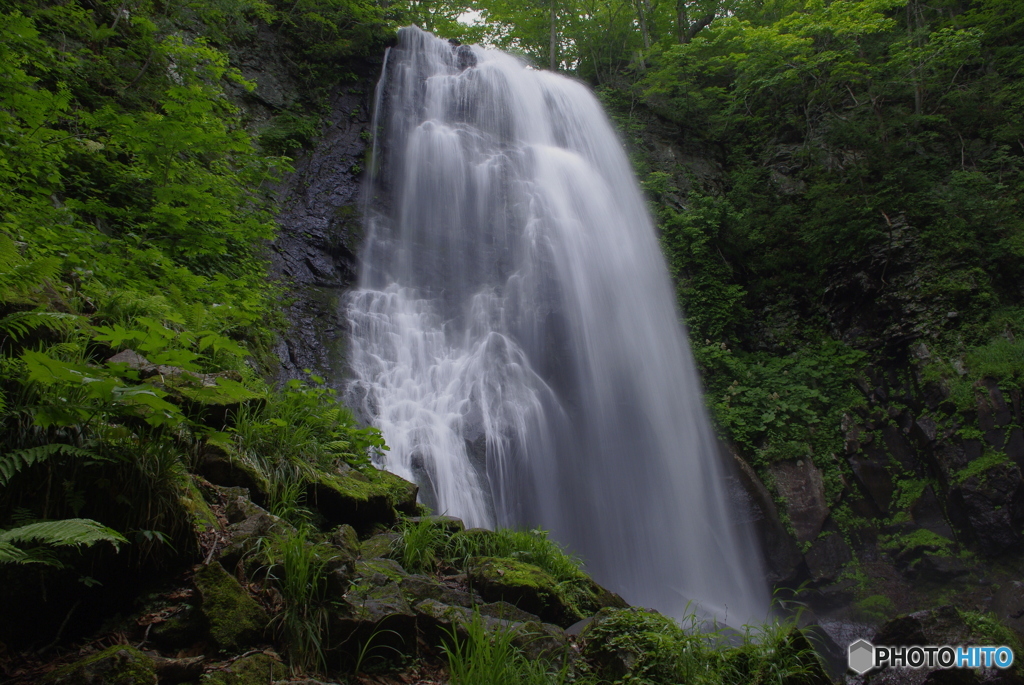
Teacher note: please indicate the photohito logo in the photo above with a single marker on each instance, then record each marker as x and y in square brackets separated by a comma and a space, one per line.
[862, 656]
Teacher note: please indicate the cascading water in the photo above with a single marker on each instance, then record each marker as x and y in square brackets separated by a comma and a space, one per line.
[515, 335]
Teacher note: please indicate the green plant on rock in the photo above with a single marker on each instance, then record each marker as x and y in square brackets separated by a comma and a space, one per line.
[299, 569]
[490, 657]
[420, 543]
[532, 546]
[305, 428]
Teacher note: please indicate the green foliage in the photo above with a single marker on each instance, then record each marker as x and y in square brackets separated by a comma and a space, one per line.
[656, 649]
[874, 608]
[300, 574]
[989, 630]
[420, 544]
[978, 467]
[532, 547]
[781, 407]
[303, 427]
[45, 534]
[490, 657]
[288, 131]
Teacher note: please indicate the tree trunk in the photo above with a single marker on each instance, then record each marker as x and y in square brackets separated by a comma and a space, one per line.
[682, 21]
[554, 44]
[642, 13]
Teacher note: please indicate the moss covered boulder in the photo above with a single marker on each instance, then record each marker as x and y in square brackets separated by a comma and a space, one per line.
[255, 669]
[117, 665]
[377, 617]
[362, 499]
[525, 586]
[234, 618]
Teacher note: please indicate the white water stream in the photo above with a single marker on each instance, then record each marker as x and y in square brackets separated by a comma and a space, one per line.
[515, 334]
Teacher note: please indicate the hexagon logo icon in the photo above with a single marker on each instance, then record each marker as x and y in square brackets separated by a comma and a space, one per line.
[861, 656]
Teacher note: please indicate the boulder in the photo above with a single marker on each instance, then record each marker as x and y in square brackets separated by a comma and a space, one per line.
[179, 630]
[1015, 447]
[936, 568]
[254, 669]
[506, 612]
[248, 523]
[361, 499]
[418, 587]
[439, 622]
[234, 619]
[799, 483]
[900, 447]
[941, 626]
[220, 468]
[525, 586]
[449, 524]
[382, 545]
[380, 571]
[117, 665]
[373, 617]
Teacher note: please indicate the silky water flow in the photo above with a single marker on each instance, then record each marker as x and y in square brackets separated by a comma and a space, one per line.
[515, 335]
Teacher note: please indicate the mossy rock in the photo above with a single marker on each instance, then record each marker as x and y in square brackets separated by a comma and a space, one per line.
[375, 615]
[117, 665]
[449, 524]
[362, 499]
[184, 628]
[345, 538]
[192, 501]
[420, 587]
[525, 586]
[255, 669]
[379, 571]
[382, 545]
[234, 618]
[230, 471]
[618, 642]
[213, 399]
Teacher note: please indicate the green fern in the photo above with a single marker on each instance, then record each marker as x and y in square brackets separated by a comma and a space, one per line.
[62, 533]
[20, 324]
[18, 275]
[13, 462]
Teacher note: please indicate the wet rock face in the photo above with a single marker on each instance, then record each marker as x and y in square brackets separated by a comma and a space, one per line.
[990, 506]
[800, 484]
[782, 556]
[315, 254]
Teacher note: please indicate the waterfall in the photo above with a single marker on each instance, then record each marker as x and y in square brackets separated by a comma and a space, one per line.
[515, 334]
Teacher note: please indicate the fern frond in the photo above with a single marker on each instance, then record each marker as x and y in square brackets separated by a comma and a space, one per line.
[62, 533]
[19, 324]
[10, 554]
[13, 462]
[18, 279]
